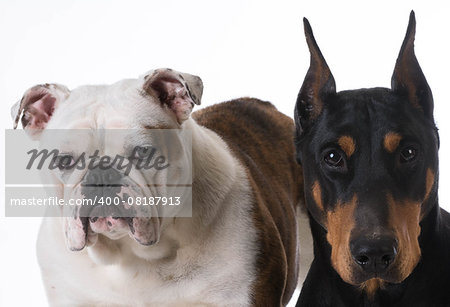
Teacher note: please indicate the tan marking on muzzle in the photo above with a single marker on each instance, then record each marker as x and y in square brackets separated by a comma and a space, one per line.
[317, 194]
[391, 141]
[340, 223]
[347, 143]
[404, 218]
[371, 286]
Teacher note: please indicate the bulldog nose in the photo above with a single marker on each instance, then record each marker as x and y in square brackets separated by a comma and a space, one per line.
[374, 255]
[101, 182]
[103, 177]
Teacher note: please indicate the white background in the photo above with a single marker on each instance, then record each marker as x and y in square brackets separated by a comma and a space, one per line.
[239, 48]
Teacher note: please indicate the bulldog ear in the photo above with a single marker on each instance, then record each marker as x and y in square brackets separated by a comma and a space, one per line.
[179, 91]
[318, 84]
[408, 79]
[37, 106]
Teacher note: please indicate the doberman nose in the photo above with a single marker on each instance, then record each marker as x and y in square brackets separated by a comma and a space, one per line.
[374, 255]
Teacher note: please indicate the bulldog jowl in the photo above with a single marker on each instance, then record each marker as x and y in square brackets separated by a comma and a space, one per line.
[108, 210]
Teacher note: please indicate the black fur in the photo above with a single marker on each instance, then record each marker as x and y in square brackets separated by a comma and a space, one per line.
[321, 117]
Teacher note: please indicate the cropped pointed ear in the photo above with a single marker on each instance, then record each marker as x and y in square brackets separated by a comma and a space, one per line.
[37, 106]
[318, 84]
[178, 91]
[408, 79]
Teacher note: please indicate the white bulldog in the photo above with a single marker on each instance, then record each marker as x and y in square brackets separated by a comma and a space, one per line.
[240, 246]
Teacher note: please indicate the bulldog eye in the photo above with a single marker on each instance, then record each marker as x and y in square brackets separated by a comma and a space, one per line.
[334, 160]
[408, 154]
[142, 152]
[64, 162]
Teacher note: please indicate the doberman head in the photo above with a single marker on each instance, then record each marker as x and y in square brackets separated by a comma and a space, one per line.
[370, 163]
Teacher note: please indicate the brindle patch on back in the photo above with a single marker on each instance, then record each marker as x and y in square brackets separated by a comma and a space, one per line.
[391, 141]
[340, 223]
[247, 125]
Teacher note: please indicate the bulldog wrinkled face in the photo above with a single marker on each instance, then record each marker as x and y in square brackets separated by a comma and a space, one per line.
[115, 171]
[122, 143]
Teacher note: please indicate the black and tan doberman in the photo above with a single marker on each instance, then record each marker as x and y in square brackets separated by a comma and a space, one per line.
[370, 163]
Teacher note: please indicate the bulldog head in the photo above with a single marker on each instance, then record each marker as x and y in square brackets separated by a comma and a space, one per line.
[105, 134]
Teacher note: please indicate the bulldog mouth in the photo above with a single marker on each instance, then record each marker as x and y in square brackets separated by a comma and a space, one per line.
[145, 230]
[76, 230]
[142, 229]
[83, 228]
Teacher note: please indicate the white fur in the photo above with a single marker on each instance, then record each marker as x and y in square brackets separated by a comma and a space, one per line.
[305, 243]
[206, 260]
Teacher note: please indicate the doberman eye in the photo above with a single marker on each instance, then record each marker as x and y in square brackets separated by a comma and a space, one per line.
[408, 154]
[334, 159]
